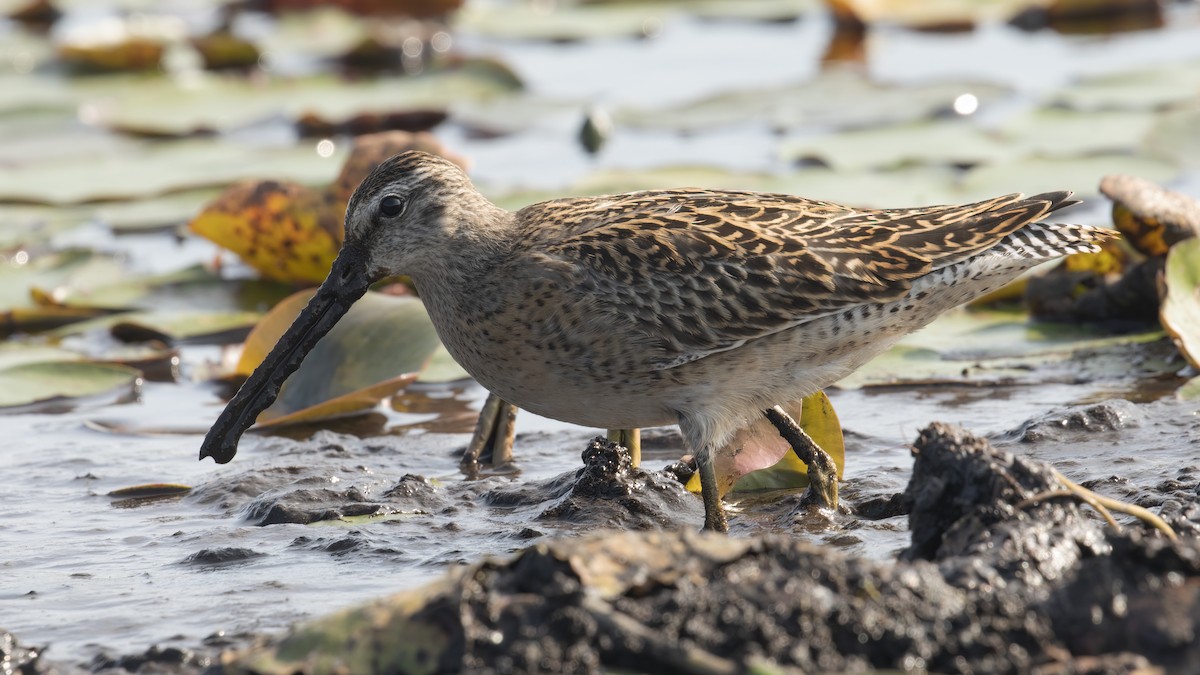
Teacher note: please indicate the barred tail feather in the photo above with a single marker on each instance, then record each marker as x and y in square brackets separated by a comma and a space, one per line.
[1039, 241]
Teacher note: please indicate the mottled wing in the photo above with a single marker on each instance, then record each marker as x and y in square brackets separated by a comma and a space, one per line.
[702, 271]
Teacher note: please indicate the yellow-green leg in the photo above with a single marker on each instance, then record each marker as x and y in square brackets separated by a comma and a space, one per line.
[494, 433]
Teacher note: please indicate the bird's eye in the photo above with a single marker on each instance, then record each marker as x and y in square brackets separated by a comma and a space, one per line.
[391, 206]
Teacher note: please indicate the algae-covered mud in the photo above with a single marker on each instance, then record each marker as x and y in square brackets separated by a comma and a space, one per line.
[172, 182]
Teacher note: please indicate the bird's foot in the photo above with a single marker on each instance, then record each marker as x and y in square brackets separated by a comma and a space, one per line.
[822, 471]
[714, 510]
[492, 442]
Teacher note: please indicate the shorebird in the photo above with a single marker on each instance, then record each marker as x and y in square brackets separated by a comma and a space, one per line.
[702, 308]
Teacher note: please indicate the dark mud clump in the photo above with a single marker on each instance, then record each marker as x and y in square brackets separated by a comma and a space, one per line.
[607, 492]
[997, 579]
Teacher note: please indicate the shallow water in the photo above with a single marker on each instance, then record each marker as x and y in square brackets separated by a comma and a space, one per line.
[86, 574]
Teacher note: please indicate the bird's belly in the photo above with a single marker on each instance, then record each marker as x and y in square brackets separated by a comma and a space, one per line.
[559, 385]
[620, 404]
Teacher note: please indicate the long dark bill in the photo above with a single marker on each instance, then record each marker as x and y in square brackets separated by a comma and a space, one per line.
[346, 283]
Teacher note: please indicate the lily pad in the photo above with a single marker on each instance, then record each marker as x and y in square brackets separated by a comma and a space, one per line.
[373, 352]
[939, 142]
[839, 99]
[33, 383]
[15, 353]
[1144, 89]
[442, 368]
[27, 283]
[523, 21]
[1055, 132]
[195, 287]
[27, 226]
[1180, 311]
[1151, 218]
[220, 104]
[159, 169]
[156, 213]
[1176, 136]
[902, 187]
[24, 93]
[184, 326]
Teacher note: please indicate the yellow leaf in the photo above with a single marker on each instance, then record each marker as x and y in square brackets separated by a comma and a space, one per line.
[287, 232]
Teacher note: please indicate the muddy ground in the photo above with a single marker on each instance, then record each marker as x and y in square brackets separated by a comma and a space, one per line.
[997, 576]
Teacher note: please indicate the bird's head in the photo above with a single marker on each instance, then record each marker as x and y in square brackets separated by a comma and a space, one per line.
[407, 211]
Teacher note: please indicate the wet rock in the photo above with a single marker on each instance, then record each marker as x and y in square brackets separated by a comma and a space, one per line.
[1098, 418]
[154, 660]
[305, 506]
[221, 556]
[994, 581]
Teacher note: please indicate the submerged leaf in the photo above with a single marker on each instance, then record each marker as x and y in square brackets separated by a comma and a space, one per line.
[374, 351]
[1180, 311]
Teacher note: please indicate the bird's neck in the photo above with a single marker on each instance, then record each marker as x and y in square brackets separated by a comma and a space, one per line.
[475, 244]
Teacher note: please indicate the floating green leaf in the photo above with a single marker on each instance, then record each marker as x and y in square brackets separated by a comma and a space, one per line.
[839, 98]
[159, 169]
[938, 142]
[39, 382]
[1176, 135]
[1055, 132]
[1146, 89]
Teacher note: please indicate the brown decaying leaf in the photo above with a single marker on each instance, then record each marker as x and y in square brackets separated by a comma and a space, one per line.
[1152, 218]
[287, 232]
[132, 54]
[151, 490]
[420, 9]
[223, 50]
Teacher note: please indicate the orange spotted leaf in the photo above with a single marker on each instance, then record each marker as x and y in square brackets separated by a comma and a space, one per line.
[287, 232]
